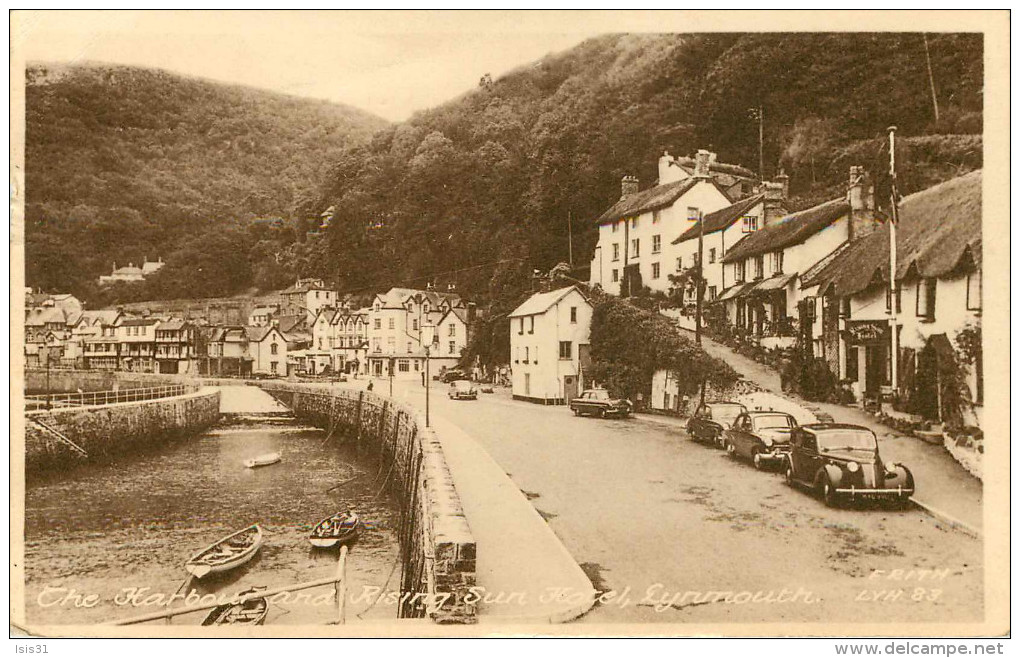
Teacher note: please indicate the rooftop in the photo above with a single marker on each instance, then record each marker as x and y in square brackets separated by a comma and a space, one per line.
[541, 302]
[789, 230]
[721, 219]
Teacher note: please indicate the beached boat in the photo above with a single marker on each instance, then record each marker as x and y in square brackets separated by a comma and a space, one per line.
[263, 460]
[334, 530]
[227, 553]
[249, 613]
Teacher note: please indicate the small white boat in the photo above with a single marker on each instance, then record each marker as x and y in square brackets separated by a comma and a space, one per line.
[227, 553]
[263, 460]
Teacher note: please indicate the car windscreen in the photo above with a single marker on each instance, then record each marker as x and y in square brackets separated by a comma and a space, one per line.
[598, 395]
[726, 413]
[776, 421]
[847, 439]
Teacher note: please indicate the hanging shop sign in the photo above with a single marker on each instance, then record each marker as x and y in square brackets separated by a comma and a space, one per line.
[865, 331]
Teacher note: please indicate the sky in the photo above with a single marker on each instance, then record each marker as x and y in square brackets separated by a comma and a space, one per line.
[388, 63]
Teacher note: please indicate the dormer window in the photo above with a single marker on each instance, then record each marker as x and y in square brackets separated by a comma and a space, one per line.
[750, 224]
[693, 213]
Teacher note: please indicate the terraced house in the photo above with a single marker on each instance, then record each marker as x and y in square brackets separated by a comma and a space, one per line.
[764, 270]
[850, 311]
[636, 245]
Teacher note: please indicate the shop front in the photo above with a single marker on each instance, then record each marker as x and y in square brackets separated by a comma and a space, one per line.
[867, 360]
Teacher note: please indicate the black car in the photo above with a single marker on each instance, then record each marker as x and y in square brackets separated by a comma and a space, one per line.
[713, 418]
[598, 402]
[841, 462]
[452, 375]
[763, 437]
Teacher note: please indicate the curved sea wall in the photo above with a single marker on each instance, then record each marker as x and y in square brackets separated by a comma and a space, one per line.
[57, 438]
[435, 539]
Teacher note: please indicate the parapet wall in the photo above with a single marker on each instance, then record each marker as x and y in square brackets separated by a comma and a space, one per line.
[104, 432]
[69, 381]
[436, 541]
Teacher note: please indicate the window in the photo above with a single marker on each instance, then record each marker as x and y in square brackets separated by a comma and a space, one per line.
[453, 329]
[655, 270]
[616, 226]
[777, 262]
[635, 247]
[453, 347]
[573, 315]
[750, 224]
[633, 223]
[531, 324]
[316, 294]
[655, 216]
[656, 244]
[616, 251]
[693, 213]
[616, 276]
[409, 344]
[525, 354]
[273, 348]
[378, 323]
[566, 350]
[739, 272]
[272, 367]
[926, 298]
[974, 291]
[391, 344]
[844, 307]
[414, 325]
[392, 323]
[520, 332]
[712, 293]
[403, 365]
[679, 264]
[711, 255]
[759, 267]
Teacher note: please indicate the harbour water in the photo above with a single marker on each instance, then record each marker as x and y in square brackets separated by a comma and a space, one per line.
[95, 537]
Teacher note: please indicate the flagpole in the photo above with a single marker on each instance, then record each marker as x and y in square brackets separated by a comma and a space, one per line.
[894, 334]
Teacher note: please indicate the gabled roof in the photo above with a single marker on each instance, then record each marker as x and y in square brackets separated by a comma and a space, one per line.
[459, 313]
[100, 316]
[543, 301]
[289, 323]
[939, 231]
[721, 219]
[789, 230]
[45, 315]
[653, 198]
[258, 334]
[173, 324]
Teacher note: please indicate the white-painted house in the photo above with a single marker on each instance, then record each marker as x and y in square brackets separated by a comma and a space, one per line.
[267, 348]
[938, 276]
[549, 345]
[636, 234]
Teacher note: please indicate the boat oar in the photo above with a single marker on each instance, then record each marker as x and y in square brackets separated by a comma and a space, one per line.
[340, 484]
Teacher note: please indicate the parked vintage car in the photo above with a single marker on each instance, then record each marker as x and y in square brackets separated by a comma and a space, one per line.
[711, 419]
[598, 402]
[463, 389]
[841, 462]
[763, 437]
[452, 375]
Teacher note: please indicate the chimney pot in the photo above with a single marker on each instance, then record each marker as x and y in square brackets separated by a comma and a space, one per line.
[702, 162]
[629, 185]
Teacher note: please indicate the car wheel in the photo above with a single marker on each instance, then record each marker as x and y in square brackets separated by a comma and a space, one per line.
[790, 478]
[602, 413]
[756, 459]
[577, 412]
[731, 449]
[829, 494]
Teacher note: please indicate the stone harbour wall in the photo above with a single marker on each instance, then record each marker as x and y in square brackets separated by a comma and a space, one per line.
[106, 432]
[69, 381]
[435, 539]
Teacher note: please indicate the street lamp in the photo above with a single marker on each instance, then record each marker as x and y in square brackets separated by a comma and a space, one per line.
[428, 333]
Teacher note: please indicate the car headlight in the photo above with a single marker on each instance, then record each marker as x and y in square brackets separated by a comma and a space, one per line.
[767, 441]
[853, 467]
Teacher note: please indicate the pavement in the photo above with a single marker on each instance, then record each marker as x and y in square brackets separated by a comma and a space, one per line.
[944, 487]
[248, 400]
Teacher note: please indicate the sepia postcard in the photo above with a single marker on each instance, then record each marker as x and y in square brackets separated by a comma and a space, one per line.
[512, 323]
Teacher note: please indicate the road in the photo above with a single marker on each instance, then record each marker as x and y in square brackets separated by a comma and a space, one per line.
[667, 523]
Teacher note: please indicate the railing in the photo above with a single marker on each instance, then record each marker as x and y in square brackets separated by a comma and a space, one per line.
[97, 398]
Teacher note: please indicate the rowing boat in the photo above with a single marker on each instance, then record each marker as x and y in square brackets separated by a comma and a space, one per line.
[340, 528]
[263, 460]
[249, 613]
[227, 553]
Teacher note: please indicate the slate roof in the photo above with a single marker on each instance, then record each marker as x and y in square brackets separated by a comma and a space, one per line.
[789, 230]
[939, 231]
[541, 302]
[173, 324]
[138, 322]
[289, 323]
[460, 313]
[659, 196]
[721, 219]
[39, 316]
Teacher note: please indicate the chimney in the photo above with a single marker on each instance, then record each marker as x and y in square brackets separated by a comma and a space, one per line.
[629, 185]
[784, 180]
[669, 169]
[702, 162]
[861, 197]
[774, 202]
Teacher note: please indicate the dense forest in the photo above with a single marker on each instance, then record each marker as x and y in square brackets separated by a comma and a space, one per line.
[486, 184]
[125, 163]
[478, 191]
